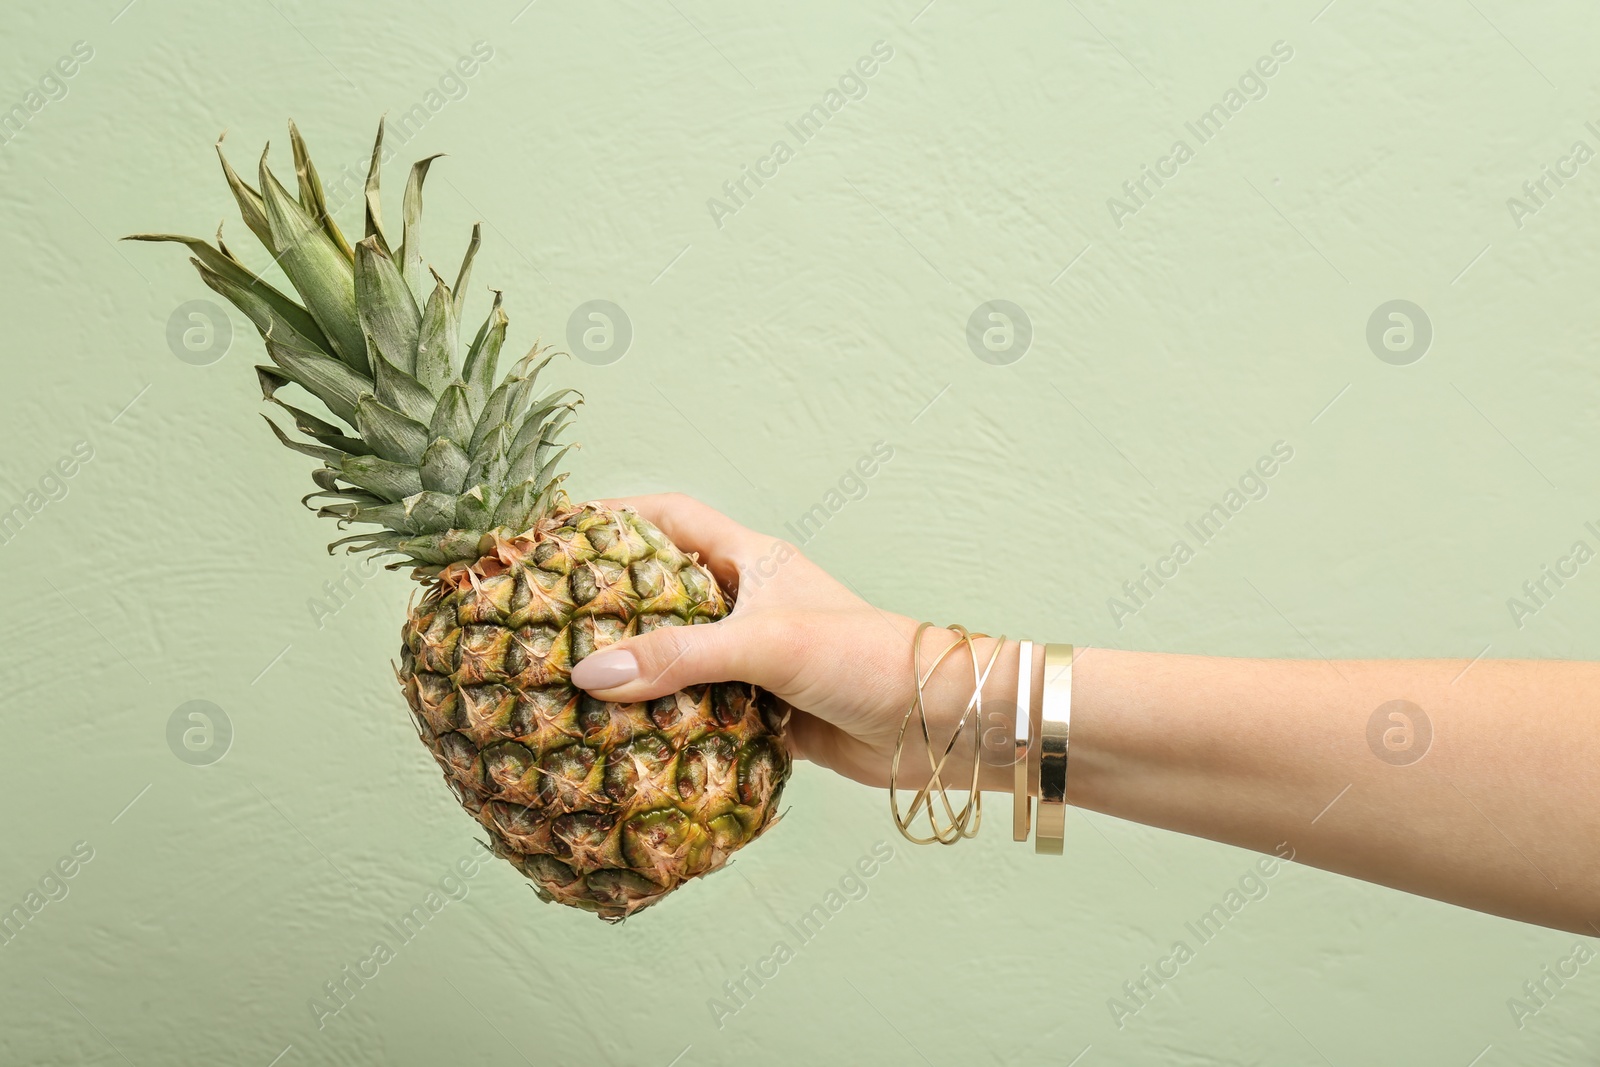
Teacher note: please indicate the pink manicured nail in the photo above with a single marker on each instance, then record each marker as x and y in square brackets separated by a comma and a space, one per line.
[604, 670]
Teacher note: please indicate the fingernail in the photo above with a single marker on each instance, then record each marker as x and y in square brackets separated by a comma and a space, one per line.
[604, 670]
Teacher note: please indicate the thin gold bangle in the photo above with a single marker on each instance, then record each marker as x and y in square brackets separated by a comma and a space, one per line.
[966, 823]
[958, 826]
[1021, 802]
[1055, 728]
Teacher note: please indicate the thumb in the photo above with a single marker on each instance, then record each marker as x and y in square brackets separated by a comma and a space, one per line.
[665, 660]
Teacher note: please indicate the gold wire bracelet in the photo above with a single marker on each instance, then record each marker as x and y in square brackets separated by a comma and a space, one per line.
[966, 822]
[973, 808]
[958, 823]
[917, 677]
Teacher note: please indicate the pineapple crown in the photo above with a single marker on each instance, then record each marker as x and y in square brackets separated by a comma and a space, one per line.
[441, 454]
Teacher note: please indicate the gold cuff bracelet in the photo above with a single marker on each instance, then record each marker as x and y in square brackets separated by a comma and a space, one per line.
[1021, 802]
[1055, 726]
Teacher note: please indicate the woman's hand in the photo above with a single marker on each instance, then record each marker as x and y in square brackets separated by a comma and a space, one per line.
[843, 665]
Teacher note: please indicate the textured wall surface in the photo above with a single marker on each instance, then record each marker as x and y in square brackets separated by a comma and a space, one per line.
[1178, 332]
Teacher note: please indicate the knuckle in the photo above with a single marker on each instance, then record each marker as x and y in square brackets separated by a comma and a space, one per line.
[668, 648]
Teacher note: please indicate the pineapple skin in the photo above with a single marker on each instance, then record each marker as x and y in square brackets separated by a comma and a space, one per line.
[605, 807]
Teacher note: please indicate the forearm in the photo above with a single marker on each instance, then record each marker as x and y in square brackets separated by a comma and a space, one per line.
[1501, 813]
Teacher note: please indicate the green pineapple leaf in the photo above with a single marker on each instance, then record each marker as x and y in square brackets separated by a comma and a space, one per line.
[327, 455]
[264, 305]
[436, 341]
[321, 274]
[483, 357]
[392, 481]
[251, 207]
[391, 434]
[474, 510]
[411, 266]
[329, 380]
[312, 197]
[388, 313]
[404, 393]
[452, 419]
[444, 466]
[516, 506]
[466, 268]
[374, 209]
[430, 512]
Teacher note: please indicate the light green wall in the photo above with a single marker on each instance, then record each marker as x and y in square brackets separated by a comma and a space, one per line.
[768, 354]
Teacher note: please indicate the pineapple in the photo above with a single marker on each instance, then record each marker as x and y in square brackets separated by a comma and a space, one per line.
[605, 807]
